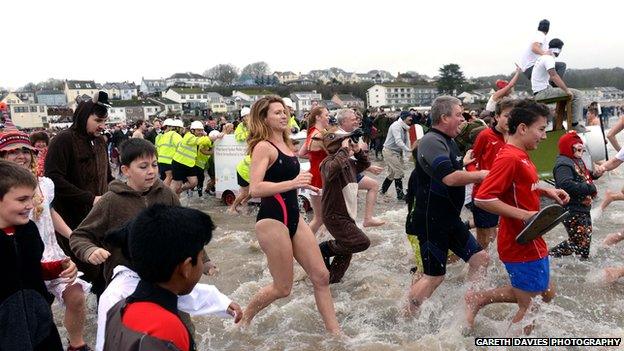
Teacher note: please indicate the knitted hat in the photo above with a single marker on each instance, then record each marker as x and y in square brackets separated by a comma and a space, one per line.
[15, 140]
[567, 141]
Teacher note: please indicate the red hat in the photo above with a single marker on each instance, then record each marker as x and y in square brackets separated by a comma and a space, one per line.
[567, 141]
[15, 140]
[500, 84]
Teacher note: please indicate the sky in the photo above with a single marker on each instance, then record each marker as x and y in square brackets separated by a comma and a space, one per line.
[126, 40]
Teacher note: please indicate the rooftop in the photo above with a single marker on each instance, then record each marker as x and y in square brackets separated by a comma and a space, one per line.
[187, 75]
[163, 100]
[81, 84]
[131, 103]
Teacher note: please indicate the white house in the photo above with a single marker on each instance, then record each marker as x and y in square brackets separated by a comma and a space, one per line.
[168, 106]
[303, 99]
[11, 98]
[183, 95]
[252, 95]
[286, 77]
[28, 116]
[152, 86]
[134, 110]
[189, 79]
[400, 95]
[75, 88]
[120, 91]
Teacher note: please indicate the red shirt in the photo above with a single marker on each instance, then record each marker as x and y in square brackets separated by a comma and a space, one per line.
[485, 149]
[513, 180]
[152, 319]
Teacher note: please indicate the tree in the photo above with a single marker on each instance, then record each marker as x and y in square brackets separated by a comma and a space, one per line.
[256, 69]
[451, 79]
[224, 73]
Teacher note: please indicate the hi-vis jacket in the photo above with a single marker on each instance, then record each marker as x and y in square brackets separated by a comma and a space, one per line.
[186, 152]
[166, 145]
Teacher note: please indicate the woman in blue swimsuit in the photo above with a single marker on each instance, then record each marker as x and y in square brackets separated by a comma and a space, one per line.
[281, 233]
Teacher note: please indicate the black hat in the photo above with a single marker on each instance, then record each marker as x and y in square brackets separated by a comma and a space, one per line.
[556, 43]
[404, 115]
[544, 26]
[101, 98]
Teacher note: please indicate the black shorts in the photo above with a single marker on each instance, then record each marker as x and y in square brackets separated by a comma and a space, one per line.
[181, 172]
[198, 171]
[163, 167]
[483, 219]
[439, 234]
[241, 182]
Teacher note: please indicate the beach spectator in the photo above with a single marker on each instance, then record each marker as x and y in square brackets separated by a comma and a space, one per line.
[505, 88]
[40, 140]
[381, 124]
[77, 163]
[149, 316]
[154, 131]
[395, 147]
[25, 314]
[182, 166]
[140, 127]
[292, 120]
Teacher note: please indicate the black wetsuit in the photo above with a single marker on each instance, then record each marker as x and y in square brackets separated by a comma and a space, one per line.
[282, 207]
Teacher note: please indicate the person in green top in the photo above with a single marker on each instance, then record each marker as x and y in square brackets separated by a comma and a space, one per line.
[292, 121]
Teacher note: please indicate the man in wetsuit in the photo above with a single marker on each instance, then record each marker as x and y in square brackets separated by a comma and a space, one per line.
[439, 199]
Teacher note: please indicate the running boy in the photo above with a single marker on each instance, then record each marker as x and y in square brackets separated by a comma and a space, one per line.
[24, 300]
[511, 190]
[485, 149]
[149, 317]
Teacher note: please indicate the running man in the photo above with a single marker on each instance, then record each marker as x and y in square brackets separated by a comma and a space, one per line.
[439, 200]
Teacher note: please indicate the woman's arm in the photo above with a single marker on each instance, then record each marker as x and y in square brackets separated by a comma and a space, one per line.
[506, 90]
[611, 136]
[59, 224]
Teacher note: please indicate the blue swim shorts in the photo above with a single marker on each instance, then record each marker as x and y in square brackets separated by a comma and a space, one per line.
[532, 276]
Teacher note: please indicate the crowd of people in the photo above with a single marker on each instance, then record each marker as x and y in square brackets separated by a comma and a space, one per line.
[93, 210]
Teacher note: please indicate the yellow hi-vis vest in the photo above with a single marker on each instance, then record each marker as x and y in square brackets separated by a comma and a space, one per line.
[166, 145]
[186, 152]
[243, 168]
[241, 133]
[202, 159]
[292, 123]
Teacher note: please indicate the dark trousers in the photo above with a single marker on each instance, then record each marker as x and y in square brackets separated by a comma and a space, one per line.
[579, 228]
[349, 239]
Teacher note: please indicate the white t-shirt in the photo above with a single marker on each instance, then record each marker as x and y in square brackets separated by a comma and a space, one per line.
[491, 104]
[620, 155]
[540, 76]
[529, 57]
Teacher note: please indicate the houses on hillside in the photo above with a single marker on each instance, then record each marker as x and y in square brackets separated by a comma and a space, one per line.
[189, 79]
[303, 100]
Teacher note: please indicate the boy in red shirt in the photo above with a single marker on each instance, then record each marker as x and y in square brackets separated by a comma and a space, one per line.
[485, 149]
[511, 190]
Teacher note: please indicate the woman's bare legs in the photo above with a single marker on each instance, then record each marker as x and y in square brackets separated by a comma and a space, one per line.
[317, 220]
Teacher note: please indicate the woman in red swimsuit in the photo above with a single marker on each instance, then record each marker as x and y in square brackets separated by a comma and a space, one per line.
[318, 120]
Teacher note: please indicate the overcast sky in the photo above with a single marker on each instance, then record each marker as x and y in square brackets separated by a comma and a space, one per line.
[116, 40]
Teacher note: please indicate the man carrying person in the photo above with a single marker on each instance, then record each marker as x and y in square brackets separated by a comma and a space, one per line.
[348, 122]
[537, 48]
[543, 71]
[439, 200]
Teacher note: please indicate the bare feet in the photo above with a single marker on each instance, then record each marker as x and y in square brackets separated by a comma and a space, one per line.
[607, 200]
[210, 269]
[373, 222]
[612, 274]
[412, 308]
[232, 211]
[473, 305]
[613, 239]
